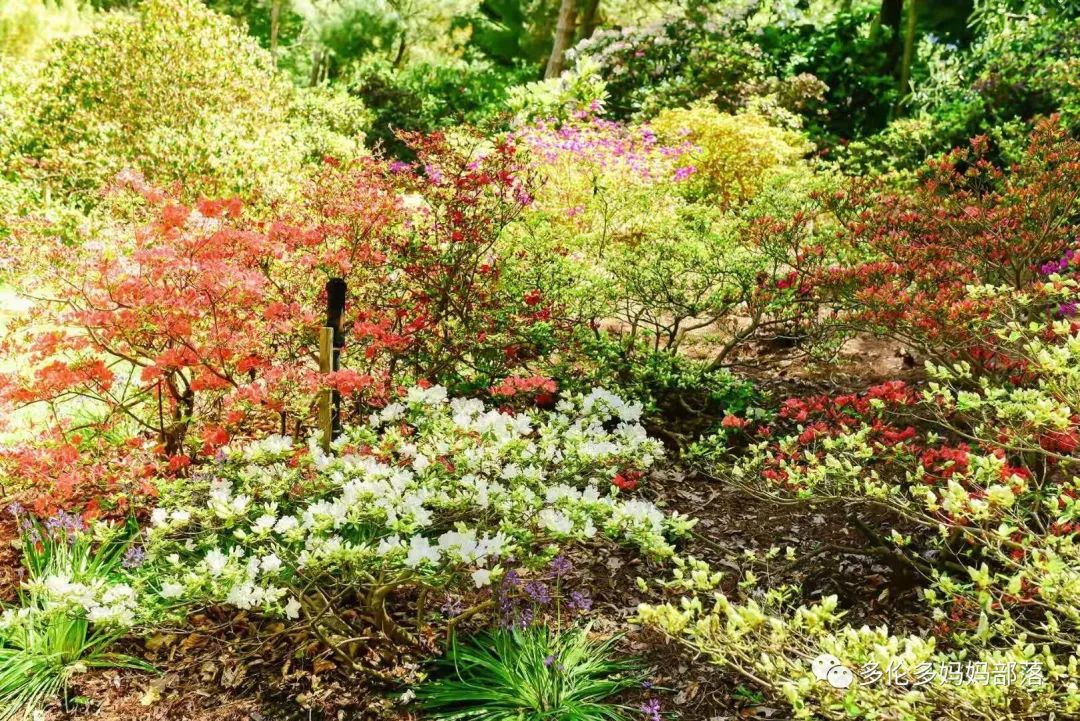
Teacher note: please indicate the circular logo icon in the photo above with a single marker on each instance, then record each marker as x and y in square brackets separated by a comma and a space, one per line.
[827, 667]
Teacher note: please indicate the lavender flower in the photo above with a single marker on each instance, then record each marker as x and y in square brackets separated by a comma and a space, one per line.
[538, 592]
[580, 601]
[651, 709]
[560, 566]
[452, 606]
[134, 557]
[549, 660]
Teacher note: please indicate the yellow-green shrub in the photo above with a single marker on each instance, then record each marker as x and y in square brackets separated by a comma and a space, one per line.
[180, 93]
[734, 155]
[27, 26]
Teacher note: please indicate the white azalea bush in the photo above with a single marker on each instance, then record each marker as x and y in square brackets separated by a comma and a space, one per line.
[430, 495]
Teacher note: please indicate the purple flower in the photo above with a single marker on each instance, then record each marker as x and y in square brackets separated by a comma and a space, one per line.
[1067, 310]
[538, 592]
[560, 566]
[134, 557]
[433, 173]
[549, 660]
[64, 526]
[15, 508]
[651, 709]
[684, 172]
[580, 601]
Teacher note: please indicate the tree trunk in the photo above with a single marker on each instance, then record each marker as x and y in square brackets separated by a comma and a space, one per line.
[891, 17]
[909, 49]
[564, 34]
[275, 24]
[589, 18]
[892, 13]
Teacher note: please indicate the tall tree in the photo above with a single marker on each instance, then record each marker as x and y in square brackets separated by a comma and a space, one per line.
[564, 35]
[589, 18]
[909, 48]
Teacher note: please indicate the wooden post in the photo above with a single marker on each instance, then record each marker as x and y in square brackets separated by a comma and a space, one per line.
[326, 365]
[336, 291]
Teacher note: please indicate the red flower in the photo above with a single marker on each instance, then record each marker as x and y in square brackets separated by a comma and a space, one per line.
[627, 480]
[731, 421]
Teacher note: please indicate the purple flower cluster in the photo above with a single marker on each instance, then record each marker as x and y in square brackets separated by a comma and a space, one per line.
[521, 600]
[452, 606]
[1059, 266]
[580, 601]
[560, 566]
[609, 146]
[651, 709]
[63, 526]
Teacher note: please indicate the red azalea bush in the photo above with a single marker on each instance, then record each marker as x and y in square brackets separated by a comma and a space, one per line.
[916, 253]
[202, 324]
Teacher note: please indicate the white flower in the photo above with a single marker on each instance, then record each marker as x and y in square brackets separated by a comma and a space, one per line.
[292, 609]
[171, 589]
[420, 463]
[216, 562]
[387, 545]
[420, 550]
[159, 517]
[481, 577]
[286, 524]
[264, 524]
[270, 563]
[555, 521]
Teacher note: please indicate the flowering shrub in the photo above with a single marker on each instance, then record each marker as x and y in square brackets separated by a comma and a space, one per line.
[984, 473]
[73, 605]
[671, 63]
[432, 495]
[203, 324]
[625, 251]
[970, 222]
[733, 155]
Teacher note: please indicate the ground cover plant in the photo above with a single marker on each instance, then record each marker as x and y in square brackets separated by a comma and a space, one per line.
[702, 359]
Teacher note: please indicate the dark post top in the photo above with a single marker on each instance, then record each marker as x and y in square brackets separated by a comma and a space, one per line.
[335, 308]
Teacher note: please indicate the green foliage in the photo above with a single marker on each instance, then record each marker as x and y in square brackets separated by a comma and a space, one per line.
[671, 64]
[578, 90]
[426, 97]
[28, 26]
[532, 675]
[510, 32]
[70, 614]
[175, 91]
[671, 386]
[734, 156]
[1022, 65]
[849, 54]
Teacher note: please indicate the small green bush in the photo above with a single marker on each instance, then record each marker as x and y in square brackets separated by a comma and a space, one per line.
[534, 674]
